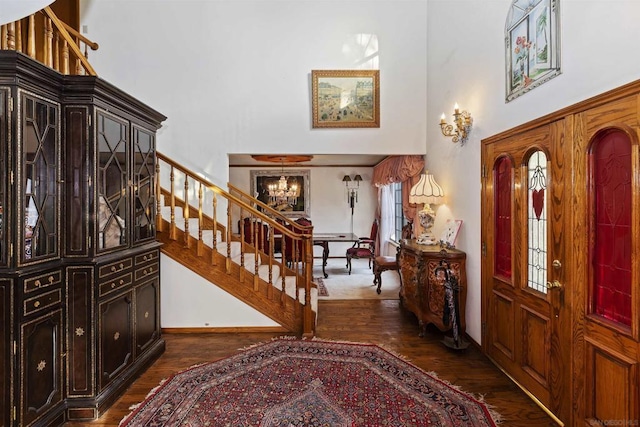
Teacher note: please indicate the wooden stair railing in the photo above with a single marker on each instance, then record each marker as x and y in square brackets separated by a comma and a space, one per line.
[45, 38]
[261, 268]
[298, 228]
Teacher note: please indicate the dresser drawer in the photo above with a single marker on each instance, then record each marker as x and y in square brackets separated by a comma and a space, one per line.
[115, 284]
[114, 268]
[148, 270]
[147, 257]
[41, 302]
[41, 282]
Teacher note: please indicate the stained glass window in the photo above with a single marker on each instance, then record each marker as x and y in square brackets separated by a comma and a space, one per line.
[502, 199]
[537, 222]
[611, 177]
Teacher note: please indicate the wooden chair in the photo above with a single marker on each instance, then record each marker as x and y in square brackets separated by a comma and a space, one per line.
[293, 255]
[383, 263]
[365, 247]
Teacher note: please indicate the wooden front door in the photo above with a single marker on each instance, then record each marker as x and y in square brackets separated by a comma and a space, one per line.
[606, 236]
[526, 315]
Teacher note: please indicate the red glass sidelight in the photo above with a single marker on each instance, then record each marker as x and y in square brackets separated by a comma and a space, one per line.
[611, 176]
[502, 206]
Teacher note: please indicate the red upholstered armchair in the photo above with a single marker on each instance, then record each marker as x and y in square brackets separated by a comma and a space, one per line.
[365, 247]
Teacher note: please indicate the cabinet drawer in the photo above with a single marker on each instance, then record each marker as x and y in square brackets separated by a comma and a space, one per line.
[115, 284]
[114, 268]
[41, 282]
[147, 257]
[148, 270]
[35, 304]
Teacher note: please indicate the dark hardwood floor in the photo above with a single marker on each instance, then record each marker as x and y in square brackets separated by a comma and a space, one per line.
[378, 321]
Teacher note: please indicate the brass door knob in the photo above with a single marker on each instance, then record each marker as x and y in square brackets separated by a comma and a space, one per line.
[554, 285]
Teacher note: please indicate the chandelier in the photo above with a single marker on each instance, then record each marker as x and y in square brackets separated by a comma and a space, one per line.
[281, 192]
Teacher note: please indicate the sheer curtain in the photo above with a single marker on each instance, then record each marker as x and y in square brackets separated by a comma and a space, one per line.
[387, 219]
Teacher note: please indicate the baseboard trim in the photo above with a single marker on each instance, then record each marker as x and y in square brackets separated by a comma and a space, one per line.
[226, 330]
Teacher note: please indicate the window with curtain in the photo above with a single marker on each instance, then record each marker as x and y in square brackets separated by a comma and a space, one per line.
[399, 218]
[394, 209]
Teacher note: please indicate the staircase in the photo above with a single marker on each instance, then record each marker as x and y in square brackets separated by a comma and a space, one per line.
[243, 261]
[45, 38]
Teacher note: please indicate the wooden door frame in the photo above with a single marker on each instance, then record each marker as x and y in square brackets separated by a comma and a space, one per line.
[575, 221]
[559, 301]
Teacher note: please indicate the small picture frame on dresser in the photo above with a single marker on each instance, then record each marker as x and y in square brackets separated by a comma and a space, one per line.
[450, 232]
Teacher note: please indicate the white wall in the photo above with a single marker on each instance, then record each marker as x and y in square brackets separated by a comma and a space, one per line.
[466, 65]
[234, 77]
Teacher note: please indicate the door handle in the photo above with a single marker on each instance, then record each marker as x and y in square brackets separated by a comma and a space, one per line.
[554, 285]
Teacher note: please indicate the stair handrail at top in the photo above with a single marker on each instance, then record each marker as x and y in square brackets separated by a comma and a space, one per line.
[85, 40]
[218, 190]
[52, 55]
[271, 212]
[62, 29]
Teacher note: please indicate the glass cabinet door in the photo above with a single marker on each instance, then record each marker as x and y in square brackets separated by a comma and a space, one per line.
[40, 129]
[112, 181]
[143, 185]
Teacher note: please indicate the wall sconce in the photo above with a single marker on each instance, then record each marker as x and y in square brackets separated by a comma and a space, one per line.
[352, 189]
[426, 191]
[461, 127]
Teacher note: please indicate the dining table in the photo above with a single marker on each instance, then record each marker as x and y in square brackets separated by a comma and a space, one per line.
[323, 240]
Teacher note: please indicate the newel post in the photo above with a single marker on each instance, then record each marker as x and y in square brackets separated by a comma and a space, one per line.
[308, 322]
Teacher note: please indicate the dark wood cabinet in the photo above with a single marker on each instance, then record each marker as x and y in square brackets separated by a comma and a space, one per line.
[79, 262]
[423, 285]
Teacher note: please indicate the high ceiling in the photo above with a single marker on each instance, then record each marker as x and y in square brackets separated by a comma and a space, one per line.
[366, 160]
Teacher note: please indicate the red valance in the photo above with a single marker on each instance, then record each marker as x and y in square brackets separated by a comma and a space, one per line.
[397, 169]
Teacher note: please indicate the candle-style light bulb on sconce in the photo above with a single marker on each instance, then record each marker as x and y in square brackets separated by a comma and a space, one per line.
[461, 126]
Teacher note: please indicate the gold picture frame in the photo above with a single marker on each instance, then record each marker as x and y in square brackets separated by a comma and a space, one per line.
[345, 98]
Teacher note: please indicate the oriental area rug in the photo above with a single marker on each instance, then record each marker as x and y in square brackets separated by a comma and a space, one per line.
[291, 382]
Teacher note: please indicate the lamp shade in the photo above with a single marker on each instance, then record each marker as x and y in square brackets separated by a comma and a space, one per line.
[426, 190]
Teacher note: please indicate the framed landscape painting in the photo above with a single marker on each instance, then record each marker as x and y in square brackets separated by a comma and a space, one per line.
[345, 98]
[296, 206]
[532, 41]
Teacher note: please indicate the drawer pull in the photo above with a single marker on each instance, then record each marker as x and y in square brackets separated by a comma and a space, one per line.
[146, 314]
[121, 266]
[144, 272]
[37, 283]
[50, 279]
[36, 304]
[121, 282]
[113, 268]
[144, 258]
[113, 285]
[116, 336]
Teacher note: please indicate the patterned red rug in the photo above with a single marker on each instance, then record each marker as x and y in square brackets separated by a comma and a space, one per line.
[291, 382]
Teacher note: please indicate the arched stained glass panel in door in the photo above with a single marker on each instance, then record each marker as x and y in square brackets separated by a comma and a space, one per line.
[537, 222]
[502, 206]
[611, 211]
